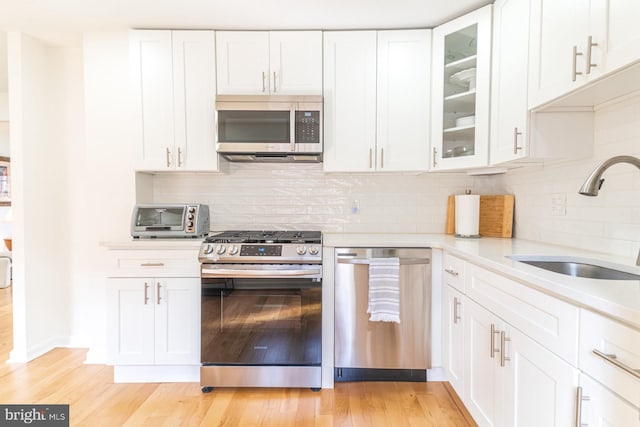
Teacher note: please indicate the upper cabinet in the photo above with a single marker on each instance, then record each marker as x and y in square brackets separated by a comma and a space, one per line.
[460, 94]
[575, 42]
[269, 62]
[376, 100]
[173, 79]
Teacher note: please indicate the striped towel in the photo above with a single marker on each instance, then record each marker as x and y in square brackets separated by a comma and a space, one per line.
[384, 290]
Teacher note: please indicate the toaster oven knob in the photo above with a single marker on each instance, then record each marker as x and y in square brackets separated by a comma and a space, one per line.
[191, 209]
[189, 224]
[313, 250]
[233, 250]
[301, 250]
[190, 217]
[207, 249]
[220, 249]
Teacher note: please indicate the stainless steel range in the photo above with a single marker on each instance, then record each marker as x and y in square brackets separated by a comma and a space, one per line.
[261, 309]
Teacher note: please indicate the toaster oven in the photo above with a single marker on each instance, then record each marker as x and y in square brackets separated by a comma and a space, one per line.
[170, 220]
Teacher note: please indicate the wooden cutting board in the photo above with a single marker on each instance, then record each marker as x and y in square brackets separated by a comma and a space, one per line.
[496, 215]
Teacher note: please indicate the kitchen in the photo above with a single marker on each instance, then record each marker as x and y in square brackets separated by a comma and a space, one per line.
[66, 275]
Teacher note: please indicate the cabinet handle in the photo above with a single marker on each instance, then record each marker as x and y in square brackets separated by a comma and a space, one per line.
[435, 153]
[613, 359]
[168, 158]
[264, 88]
[456, 315]
[503, 341]
[579, 399]
[381, 158]
[515, 140]
[451, 271]
[274, 82]
[158, 297]
[152, 264]
[574, 70]
[494, 331]
[590, 45]
[146, 293]
[370, 158]
[179, 157]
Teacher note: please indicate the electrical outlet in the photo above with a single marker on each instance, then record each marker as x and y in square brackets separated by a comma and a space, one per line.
[355, 207]
[559, 204]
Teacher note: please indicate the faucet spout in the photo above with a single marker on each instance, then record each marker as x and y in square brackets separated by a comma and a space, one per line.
[594, 182]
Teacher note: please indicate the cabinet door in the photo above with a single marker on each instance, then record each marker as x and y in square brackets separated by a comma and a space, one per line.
[453, 322]
[242, 62]
[601, 407]
[557, 27]
[194, 99]
[131, 321]
[152, 85]
[349, 101]
[403, 100]
[295, 62]
[481, 376]
[509, 112]
[539, 387]
[615, 28]
[177, 320]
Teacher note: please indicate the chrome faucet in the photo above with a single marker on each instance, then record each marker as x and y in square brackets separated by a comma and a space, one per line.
[594, 182]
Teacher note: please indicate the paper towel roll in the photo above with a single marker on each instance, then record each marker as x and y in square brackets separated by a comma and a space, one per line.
[467, 215]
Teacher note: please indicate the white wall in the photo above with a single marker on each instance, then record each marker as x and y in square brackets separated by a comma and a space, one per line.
[607, 223]
[44, 99]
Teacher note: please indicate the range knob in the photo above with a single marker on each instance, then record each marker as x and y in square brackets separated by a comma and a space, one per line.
[207, 249]
[220, 249]
[233, 249]
[301, 250]
[313, 250]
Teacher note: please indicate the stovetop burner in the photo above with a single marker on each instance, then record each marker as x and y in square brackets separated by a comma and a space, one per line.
[249, 236]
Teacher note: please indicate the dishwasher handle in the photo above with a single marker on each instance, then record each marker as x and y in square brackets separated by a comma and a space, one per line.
[367, 261]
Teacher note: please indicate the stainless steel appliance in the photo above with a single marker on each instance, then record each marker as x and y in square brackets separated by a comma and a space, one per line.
[261, 309]
[382, 351]
[170, 220]
[263, 128]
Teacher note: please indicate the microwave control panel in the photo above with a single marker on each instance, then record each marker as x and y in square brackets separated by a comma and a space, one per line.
[308, 127]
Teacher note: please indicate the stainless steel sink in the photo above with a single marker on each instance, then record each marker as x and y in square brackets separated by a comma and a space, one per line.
[578, 267]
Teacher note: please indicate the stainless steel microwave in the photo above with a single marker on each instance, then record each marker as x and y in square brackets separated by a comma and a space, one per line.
[170, 220]
[276, 128]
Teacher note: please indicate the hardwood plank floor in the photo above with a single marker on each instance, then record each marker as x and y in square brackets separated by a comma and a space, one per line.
[60, 376]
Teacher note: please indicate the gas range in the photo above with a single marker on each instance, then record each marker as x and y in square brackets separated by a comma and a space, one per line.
[273, 247]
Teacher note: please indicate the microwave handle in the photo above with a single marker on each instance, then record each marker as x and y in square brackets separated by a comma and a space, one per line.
[292, 131]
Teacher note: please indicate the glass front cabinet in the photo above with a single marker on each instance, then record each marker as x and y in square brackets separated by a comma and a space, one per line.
[461, 88]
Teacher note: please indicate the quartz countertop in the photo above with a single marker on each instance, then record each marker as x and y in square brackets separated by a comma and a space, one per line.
[154, 244]
[618, 299]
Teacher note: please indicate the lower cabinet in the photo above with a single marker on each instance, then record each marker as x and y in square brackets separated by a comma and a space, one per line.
[453, 332]
[154, 321]
[601, 407]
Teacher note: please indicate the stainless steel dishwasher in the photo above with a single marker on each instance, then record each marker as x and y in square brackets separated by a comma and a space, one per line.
[382, 351]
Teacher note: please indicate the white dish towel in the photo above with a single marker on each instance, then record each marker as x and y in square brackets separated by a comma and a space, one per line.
[384, 290]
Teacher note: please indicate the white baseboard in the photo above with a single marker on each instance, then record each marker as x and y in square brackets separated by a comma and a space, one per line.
[436, 374]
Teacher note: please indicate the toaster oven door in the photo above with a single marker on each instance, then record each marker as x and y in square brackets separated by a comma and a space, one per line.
[159, 218]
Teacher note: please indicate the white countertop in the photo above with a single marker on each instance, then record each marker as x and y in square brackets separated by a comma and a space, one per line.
[618, 299]
[153, 244]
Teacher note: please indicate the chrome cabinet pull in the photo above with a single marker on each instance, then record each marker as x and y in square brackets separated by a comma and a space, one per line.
[494, 350]
[613, 359]
[152, 264]
[456, 315]
[382, 158]
[579, 399]
[515, 140]
[274, 82]
[168, 158]
[158, 297]
[451, 271]
[146, 293]
[370, 158]
[503, 341]
[574, 70]
[590, 45]
[179, 157]
[435, 153]
[264, 88]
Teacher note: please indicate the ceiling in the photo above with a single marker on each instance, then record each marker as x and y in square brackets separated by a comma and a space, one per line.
[62, 22]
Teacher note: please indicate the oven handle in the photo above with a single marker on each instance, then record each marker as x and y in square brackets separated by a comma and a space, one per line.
[366, 261]
[231, 272]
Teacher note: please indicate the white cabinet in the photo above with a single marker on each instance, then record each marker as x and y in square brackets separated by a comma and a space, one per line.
[600, 407]
[460, 93]
[453, 332]
[269, 62]
[574, 42]
[154, 321]
[376, 100]
[173, 79]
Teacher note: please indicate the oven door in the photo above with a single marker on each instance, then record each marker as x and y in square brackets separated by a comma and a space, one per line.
[257, 317]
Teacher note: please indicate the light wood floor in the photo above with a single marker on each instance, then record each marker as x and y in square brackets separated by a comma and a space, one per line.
[61, 377]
